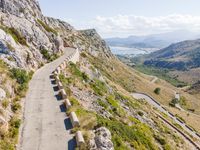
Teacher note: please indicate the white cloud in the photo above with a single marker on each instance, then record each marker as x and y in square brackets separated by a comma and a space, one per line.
[124, 25]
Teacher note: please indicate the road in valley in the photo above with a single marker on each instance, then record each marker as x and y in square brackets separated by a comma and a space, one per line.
[157, 105]
[45, 124]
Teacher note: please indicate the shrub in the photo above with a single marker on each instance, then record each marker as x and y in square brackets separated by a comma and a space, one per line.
[15, 107]
[173, 102]
[45, 54]
[157, 91]
[46, 27]
[5, 103]
[140, 113]
[22, 78]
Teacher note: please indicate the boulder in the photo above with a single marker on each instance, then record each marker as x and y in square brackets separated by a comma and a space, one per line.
[103, 139]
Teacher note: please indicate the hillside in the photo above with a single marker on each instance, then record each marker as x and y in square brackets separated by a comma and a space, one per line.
[181, 60]
[153, 41]
[99, 86]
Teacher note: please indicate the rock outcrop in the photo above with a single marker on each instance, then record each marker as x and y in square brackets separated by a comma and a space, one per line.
[102, 140]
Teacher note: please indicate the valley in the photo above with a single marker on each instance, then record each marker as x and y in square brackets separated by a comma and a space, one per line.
[66, 88]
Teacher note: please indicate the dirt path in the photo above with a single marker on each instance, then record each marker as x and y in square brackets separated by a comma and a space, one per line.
[45, 125]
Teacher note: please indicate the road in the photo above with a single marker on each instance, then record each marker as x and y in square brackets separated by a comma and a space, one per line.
[157, 105]
[45, 124]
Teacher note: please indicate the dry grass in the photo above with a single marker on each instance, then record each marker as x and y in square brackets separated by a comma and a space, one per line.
[132, 80]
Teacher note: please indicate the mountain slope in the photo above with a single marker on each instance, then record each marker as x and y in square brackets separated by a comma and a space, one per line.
[99, 86]
[153, 41]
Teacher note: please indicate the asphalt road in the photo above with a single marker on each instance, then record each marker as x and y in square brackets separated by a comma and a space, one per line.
[157, 105]
[45, 124]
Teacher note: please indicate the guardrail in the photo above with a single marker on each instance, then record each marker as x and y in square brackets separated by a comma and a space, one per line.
[74, 120]
[67, 104]
[73, 117]
[79, 138]
[173, 116]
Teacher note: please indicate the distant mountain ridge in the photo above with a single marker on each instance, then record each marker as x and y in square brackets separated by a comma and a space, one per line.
[153, 41]
[180, 56]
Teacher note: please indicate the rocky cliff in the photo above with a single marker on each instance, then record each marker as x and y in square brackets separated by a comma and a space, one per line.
[25, 32]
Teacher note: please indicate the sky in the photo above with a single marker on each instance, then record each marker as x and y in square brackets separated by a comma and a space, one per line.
[122, 18]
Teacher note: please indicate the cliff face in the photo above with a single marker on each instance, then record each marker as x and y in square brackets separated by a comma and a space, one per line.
[25, 32]
[29, 9]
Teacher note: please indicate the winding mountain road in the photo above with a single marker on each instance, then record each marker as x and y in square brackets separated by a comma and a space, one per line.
[157, 105]
[45, 124]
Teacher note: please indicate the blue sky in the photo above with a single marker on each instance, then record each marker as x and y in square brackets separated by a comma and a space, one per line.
[126, 17]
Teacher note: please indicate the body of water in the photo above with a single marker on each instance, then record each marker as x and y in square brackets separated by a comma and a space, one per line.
[130, 51]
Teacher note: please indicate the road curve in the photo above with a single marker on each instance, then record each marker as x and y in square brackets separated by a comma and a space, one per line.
[157, 105]
[45, 124]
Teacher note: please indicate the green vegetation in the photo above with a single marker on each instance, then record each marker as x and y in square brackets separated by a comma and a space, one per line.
[173, 102]
[46, 27]
[177, 116]
[8, 140]
[76, 72]
[99, 87]
[15, 34]
[139, 135]
[157, 91]
[102, 103]
[160, 73]
[5, 103]
[46, 55]
[22, 78]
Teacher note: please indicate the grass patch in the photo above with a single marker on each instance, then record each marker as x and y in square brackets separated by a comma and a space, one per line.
[102, 103]
[77, 73]
[87, 118]
[46, 27]
[98, 87]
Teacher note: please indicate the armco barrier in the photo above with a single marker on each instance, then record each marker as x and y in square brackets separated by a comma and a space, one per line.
[79, 138]
[74, 120]
[63, 94]
[67, 103]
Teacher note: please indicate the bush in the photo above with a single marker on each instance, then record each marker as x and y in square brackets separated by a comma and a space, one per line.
[5, 103]
[15, 107]
[45, 54]
[157, 91]
[20, 75]
[173, 102]
[22, 78]
[46, 27]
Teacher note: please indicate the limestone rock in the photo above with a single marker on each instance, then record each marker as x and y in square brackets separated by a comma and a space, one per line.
[102, 140]
[2, 94]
